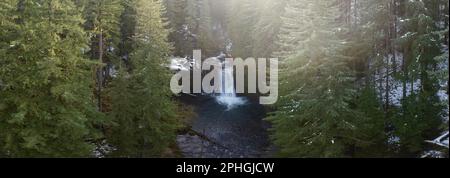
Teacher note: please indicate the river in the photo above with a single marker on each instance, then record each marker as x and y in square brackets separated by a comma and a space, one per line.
[239, 132]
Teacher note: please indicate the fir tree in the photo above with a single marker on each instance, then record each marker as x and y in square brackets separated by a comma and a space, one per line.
[127, 31]
[142, 105]
[314, 117]
[102, 23]
[290, 33]
[267, 28]
[243, 17]
[421, 109]
[46, 107]
[199, 23]
[175, 13]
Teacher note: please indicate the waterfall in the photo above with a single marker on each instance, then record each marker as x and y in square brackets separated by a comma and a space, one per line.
[228, 95]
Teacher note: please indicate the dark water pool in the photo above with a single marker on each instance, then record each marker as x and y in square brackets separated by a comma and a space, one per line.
[231, 133]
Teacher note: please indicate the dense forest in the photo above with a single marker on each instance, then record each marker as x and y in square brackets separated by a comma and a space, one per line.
[358, 78]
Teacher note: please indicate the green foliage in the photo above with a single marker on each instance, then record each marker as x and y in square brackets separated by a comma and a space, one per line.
[321, 112]
[102, 17]
[421, 114]
[200, 24]
[46, 107]
[175, 14]
[127, 29]
[102, 26]
[243, 18]
[290, 34]
[267, 28]
[314, 118]
[142, 107]
[371, 125]
[253, 26]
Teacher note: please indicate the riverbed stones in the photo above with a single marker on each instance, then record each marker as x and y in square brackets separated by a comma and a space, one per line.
[193, 146]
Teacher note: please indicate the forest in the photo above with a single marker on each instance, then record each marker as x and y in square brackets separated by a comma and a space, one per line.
[357, 79]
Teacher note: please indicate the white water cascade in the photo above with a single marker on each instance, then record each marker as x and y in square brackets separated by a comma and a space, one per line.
[228, 95]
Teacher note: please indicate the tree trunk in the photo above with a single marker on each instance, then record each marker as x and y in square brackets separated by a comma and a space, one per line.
[100, 71]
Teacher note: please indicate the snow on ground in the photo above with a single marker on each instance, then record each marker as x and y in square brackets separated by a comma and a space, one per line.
[433, 154]
[396, 94]
[396, 85]
[180, 64]
[102, 149]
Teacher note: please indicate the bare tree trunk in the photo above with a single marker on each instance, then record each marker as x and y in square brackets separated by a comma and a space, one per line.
[394, 11]
[388, 52]
[100, 71]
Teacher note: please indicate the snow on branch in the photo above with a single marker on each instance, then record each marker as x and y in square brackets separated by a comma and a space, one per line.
[441, 141]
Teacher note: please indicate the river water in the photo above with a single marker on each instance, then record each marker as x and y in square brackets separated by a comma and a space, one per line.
[239, 132]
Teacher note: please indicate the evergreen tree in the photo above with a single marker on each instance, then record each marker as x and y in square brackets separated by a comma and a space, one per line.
[175, 13]
[369, 23]
[200, 26]
[314, 117]
[421, 109]
[127, 31]
[290, 33]
[45, 107]
[373, 141]
[267, 28]
[142, 106]
[102, 23]
[243, 17]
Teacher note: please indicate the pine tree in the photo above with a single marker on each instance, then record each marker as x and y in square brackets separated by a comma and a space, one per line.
[267, 28]
[45, 107]
[388, 56]
[371, 125]
[175, 13]
[199, 23]
[421, 109]
[127, 31]
[243, 17]
[290, 34]
[102, 22]
[369, 23]
[142, 106]
[314, 117]
[9, 27]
